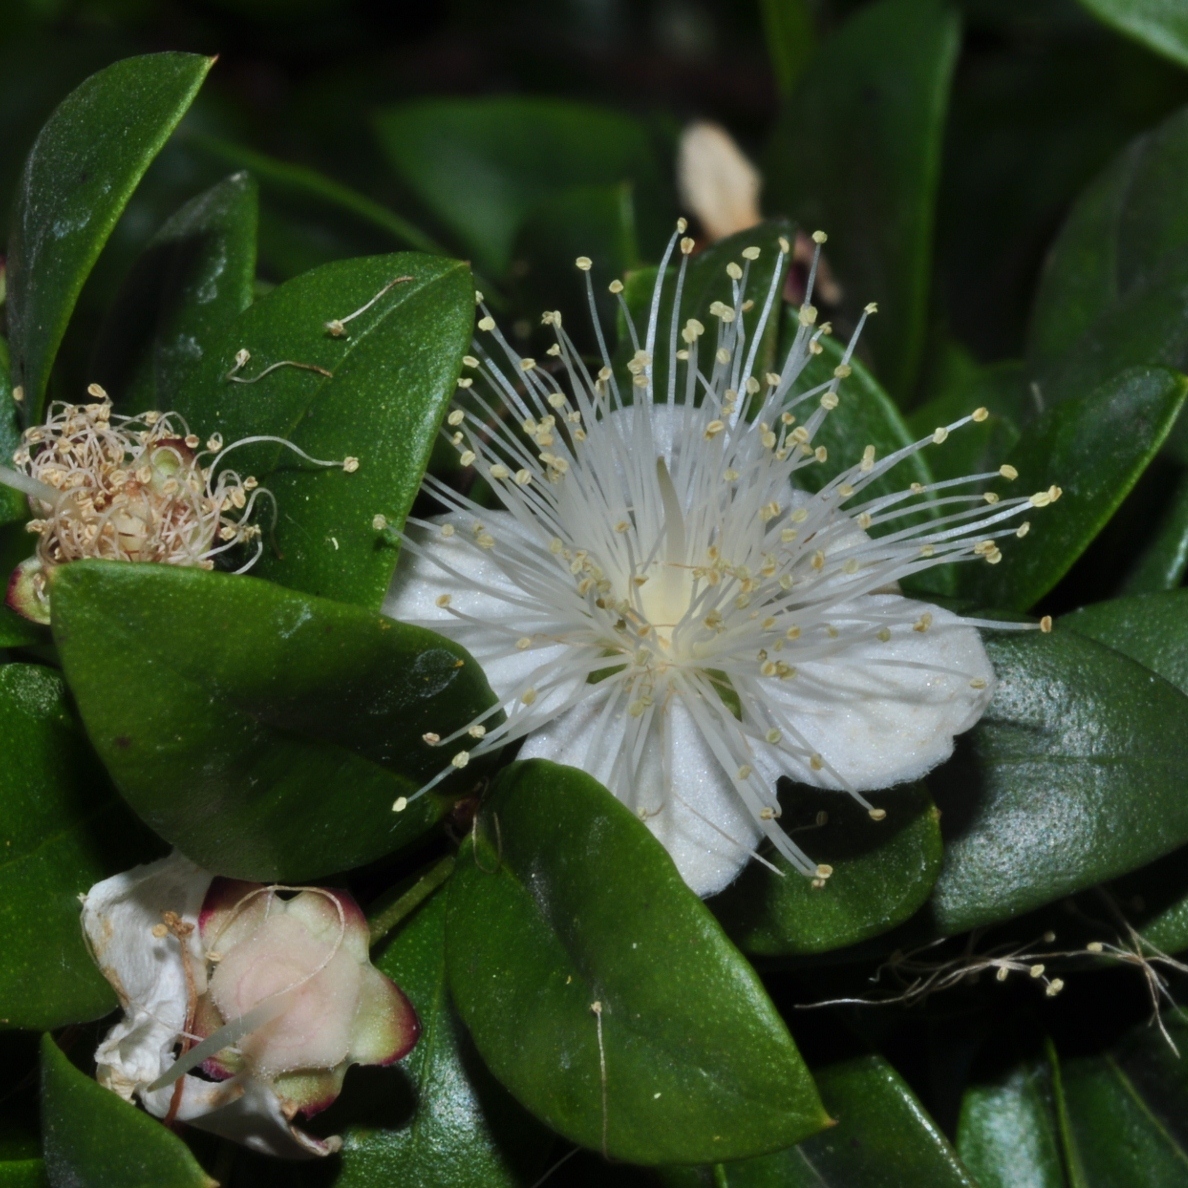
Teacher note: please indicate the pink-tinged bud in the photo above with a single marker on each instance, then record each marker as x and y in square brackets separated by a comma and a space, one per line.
[275, 982]
[27, 594]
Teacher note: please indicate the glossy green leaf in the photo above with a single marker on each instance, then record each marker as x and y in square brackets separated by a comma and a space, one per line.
[1160, 25]
[79, 175]
[1164, 561]
[393, 372]
[450, 1121]
[564, 900]
[1111, 292]
[265, 733]
[1094, 447]
[193, 279]
[1127, 1114]
[64, 829]
[1009, 1133]
[95, 1139]
[482, 165]
[857, 153]
[883, 1137]
[1081, 755]
[882, 872]
[13, 505]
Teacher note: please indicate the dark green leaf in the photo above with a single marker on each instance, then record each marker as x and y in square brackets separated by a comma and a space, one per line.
[1009, 1132]
[80, 173]
[265, 733]
[1081, 754]
[1111, 295]
[194, 278]
[857, 153]
[450, 1122]
[482, 165]
[1095, 447]
[1149, 628]
[883, 1137]
[23, 1173]
[1162, 564]
[788, 25]
[95, 1139]
[882, 872]
[13, 505]
[64, 829]
[15, 545]
[393, 374]
[1161, 25]
[564, 900]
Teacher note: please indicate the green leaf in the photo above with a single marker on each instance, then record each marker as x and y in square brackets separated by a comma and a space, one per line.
[265, 733]
[1126, 1112]
[857, 153]
[15, 545]
[1163, 563]
[13, 505]
[23, 1173]
[95, 1139]
[790, 36]
[1160, 25]
[882, 872]
[79, 175]
[393, 372]
[564, 900]
[193, 279]
[482, 165]
[1111, 294]
[1081, 753]
[64, 829]
[460, 1126]
[883, 1137]
[1009, 1133]
[1095, 447]
[1149, 628]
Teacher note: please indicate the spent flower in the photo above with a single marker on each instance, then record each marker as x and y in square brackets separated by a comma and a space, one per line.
[660, 604]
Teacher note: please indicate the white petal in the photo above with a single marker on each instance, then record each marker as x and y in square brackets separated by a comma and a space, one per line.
[481, 590]
[883, 713]
[147, 971]
[695, 813]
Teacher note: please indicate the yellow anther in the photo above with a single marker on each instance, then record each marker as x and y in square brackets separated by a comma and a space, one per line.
[939, 435]
[584, 263]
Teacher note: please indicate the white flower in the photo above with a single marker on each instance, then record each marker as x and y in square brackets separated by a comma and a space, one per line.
[658, 604]
[272, 997]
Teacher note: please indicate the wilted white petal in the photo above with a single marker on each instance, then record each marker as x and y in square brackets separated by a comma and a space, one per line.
[716, 181]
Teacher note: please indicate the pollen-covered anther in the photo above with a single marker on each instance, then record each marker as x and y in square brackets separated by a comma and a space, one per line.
[460, 760]
[877, 814]
[939, 435]
[1008, 472]
[1045, 624]
[713, 429]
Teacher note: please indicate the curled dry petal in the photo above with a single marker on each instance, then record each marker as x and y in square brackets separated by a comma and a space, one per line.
[281, 976]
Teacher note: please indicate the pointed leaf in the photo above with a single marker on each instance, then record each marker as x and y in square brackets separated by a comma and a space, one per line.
[564, 900]
[1081, 754]
[95, 1139]
[63, 830]
[882, 1131]
[460, 1126]
[392, 374]
[1094, 447]
[1160, 25]
[265, 733]
[882, 872]
[79, 175]
[857, 153]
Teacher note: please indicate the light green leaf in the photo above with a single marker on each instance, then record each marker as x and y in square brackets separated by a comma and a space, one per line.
[1160, 25]
[392, 375]
[1081, 753]
[460, 1126]
[265, 733]
[482, 165]
[95, 1139]
[882, 872]
[79, 175]
[1094, 447]
[563, 900]
[857, 153]
[883, 1137]
[63, 830]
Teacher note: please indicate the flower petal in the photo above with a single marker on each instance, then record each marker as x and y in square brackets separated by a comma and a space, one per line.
[880, 713]
[386, 1027]
[691, 808]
